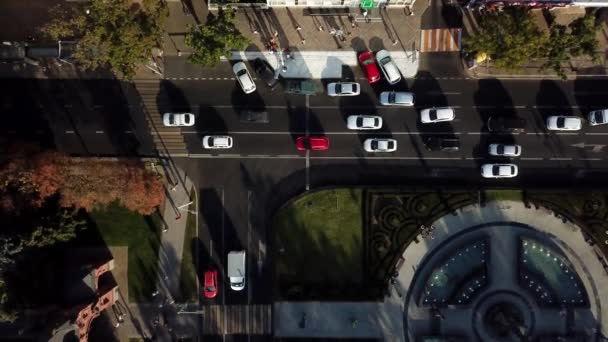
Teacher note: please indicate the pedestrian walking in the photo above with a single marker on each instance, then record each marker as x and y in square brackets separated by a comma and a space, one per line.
[321, 28]
[256, 32]
[365, 14]
[298, 28]
[303, 41]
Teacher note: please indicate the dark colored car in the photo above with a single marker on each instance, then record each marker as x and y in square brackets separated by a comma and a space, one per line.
[318, 143]
[266, 73]
[437, 143]
[253, 116]
[506, 125]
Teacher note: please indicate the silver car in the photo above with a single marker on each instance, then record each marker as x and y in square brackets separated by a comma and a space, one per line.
[388, 66]
[244, 78]
[178, 119]
[499, 170]
[564, 123]
[374, 145]
[598, 117]
[503, 150]
[343, 89]
[438, 114]
[364, 122]
[396, 98]
[217, 142]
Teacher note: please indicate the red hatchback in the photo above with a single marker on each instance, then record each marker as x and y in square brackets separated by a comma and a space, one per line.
[210, 284]
[318, 143]
[369, 64]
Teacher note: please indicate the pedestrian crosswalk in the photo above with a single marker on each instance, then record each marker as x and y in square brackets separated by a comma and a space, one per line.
[167, 140]
[437, 40]
[237, 320]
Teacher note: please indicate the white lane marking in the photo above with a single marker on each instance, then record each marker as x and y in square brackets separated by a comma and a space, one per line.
[69, 132]
[596, 133]
[531, 158]
[590, 159]
[473, 158]
[478, 133]
[560, 158]
[99, 132]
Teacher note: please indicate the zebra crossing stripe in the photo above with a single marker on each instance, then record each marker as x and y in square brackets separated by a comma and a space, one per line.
[435, 40]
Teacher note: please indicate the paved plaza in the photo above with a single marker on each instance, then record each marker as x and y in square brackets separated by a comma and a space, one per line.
[488, 274]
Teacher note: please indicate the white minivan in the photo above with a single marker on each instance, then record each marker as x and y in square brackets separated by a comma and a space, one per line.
[236, 271]
[388, 66]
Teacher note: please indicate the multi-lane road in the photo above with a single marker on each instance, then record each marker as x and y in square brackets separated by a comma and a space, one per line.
[242, 187]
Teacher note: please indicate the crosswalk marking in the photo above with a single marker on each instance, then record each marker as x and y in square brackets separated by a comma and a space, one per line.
[436, 40]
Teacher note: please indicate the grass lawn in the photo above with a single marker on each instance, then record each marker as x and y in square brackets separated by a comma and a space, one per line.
[121, 227]
[188, 273]
[318, 244]
[503, 195]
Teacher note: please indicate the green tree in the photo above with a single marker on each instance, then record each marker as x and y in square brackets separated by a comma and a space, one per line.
[215, 39]
[577, 39]
[510, 37]
[116, 33]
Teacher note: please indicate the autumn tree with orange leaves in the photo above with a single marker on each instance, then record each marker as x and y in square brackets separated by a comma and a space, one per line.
[28, 179]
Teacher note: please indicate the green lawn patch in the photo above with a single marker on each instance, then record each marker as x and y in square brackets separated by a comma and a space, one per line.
[318, 246]
[121, 227]
[503, 195]
[188, 273]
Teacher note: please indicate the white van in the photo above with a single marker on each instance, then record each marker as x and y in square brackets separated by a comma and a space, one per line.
[236, 269]
[388, 66]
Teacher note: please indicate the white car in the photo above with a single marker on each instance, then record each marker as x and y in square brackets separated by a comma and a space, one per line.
[437, 114]
[343, 89]
[564, 123]
[498, 170]
[178, 119]
[598, 117]
[388, 66]
[396, 98]
[244, 78]
[361, 122]
[217, 142]
[380, 145]
[503, 150]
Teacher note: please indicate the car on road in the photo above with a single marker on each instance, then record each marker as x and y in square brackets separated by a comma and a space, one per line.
[369, 65]
[313, 143]
[178, 119]
[564, 123]
[364, 122]
[396, 98]
[253, 116]
[266, 73]
[343, 89]
[437, 114]
[504, 150]
[217, 142]
[210, 283]
[374, 145]
[501, 124]
[439, 143]
[244, 78]
[498, 170]
[388, 66]
[598, 117]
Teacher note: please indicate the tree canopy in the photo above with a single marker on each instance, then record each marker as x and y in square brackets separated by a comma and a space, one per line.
[116, 33]
[217, 38]
[511, 38]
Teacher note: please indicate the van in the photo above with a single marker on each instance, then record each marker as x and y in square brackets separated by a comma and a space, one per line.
[236, 269]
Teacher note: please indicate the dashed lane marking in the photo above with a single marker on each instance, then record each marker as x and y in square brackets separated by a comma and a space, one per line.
[560, 158]
[531, 158]
[99, 132]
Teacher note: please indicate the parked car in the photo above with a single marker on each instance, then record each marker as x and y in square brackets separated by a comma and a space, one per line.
[210, 283]
[266, 73]
[396, 98]
[302, 87]
[343, 89]
[363, 122]
[504, 150]
[178, 119]
[243, 77]
[313, 143]
[374, 145]
[438, 114]
[498, 170]
[217, 142]
[388, 66]
[598, 117]
[253, 116]
[369, 65]
[501, 124]
[438, 143]
[564, 123]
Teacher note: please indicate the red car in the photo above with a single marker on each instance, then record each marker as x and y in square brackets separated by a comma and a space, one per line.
[369, 64]
[210, 284]
[312, 143]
